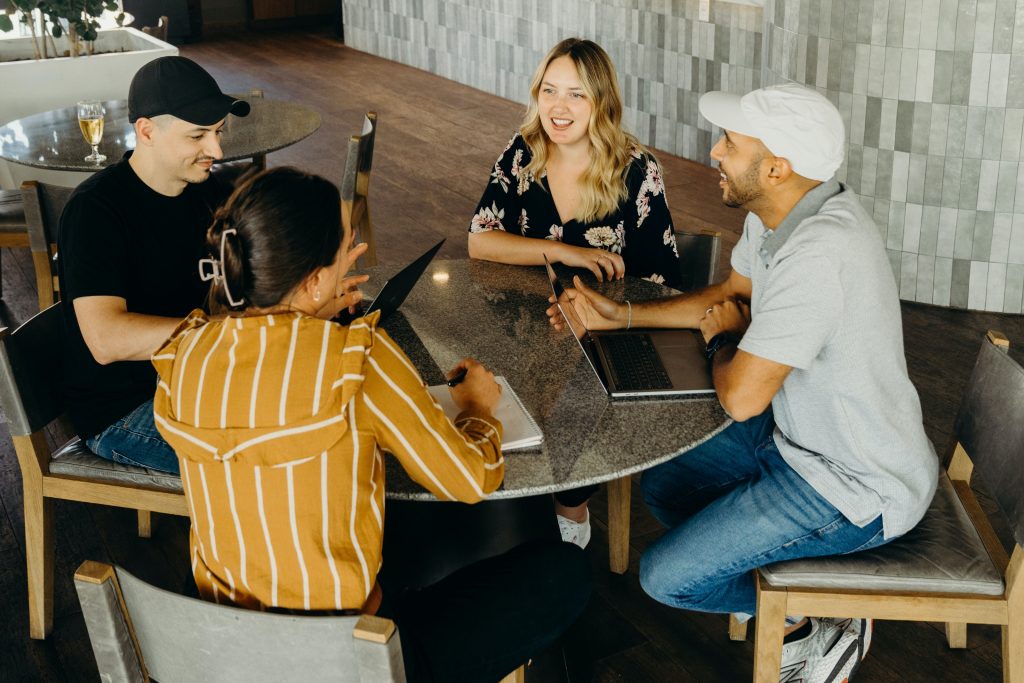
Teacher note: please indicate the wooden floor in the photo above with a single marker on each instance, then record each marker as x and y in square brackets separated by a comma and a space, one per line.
[436, 143]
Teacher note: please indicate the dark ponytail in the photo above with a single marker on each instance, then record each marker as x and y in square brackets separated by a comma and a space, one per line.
[286, 224]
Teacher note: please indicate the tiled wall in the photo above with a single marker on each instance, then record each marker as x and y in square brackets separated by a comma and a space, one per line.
[932, 92]
[933, 96]
[665, 56]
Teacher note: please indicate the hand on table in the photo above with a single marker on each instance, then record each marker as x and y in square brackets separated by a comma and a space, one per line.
[477, 392]
[593, 311]
[603, 264]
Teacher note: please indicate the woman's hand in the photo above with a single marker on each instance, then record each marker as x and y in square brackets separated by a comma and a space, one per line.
[478, 392]
[594, 311]
[603, 264]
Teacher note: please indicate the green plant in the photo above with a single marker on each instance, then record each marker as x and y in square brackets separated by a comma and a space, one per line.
[49, 19]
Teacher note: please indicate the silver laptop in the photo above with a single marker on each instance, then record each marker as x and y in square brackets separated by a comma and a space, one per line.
[633, 363]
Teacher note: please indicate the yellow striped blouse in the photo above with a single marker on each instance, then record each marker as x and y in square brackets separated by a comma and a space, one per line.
[279, 422]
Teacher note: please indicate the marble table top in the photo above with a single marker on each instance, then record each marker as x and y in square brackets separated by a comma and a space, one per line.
[52, 139]
[495, 313]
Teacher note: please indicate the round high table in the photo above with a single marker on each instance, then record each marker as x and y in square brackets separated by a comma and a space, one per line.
[52, 139]
[495, 313]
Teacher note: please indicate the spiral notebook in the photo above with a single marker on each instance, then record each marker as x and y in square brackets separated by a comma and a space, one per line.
[520, 429]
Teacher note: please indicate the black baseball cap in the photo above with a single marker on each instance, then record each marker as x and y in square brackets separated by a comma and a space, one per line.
[180, 87]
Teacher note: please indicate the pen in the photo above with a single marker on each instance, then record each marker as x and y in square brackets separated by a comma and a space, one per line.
[459, 376]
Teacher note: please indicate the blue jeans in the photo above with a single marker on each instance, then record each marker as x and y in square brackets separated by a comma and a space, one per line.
[134, 440]
[732, 504]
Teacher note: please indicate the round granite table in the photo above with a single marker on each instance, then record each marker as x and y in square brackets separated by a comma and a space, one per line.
[495, 313]
[52, 139]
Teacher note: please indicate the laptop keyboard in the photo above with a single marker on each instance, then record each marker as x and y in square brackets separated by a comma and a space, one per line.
[635, 362]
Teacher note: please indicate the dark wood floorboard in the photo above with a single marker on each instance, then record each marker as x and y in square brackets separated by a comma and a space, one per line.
[436, 144]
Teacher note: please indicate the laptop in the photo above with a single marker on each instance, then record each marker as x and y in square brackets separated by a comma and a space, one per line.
[397, 287]
[637, 363]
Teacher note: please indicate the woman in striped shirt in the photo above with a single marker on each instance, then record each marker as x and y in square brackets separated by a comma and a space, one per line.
[280, 416]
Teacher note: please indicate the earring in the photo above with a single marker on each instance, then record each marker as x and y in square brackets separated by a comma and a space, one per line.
[316, 295]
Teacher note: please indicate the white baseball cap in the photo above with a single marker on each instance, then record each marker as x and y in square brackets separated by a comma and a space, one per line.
[792, 121]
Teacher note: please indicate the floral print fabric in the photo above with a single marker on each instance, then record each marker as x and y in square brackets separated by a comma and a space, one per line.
[640, 229]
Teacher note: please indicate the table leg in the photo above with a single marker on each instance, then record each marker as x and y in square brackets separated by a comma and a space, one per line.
[618, 524]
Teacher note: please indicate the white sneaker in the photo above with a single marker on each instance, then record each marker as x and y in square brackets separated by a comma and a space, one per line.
[841, 661]
[577, 533]
[801, 658]
[864, 629]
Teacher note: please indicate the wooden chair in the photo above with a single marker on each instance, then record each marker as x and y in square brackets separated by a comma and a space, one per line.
[44, 204]
[698, 263]
[159, 31]
[952, 567]
[355, 210]
[139, 632]
[31, 361]
[12, 222]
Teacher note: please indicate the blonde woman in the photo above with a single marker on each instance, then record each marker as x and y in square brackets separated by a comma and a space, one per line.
[572, 177]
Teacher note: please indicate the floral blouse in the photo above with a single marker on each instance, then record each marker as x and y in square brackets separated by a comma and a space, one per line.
[640, 229]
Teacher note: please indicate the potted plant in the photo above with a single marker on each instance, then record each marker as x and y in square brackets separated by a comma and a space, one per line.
[47, 20]
[37, 76]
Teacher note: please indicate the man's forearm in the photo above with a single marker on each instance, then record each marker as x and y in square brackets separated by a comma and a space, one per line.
[115, 334]
[682, 310]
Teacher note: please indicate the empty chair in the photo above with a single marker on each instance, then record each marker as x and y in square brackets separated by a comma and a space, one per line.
[952, 567]
[698, 264]
[140, 632]
[698, 258]
[31, 361]
[44, 204]
[12, 222]
[355, 184]
[159, 31]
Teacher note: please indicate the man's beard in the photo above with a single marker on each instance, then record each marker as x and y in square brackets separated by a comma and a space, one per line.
[745, 188]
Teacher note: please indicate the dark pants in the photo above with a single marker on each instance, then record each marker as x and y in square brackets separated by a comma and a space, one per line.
[574, 497]
[485, 620]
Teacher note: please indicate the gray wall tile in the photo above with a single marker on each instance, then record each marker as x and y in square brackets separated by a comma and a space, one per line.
[931, 92]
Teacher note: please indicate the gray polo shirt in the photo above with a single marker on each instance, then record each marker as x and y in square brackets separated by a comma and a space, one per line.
[848, 419]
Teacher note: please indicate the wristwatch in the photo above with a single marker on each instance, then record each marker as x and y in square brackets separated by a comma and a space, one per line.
[718, 341]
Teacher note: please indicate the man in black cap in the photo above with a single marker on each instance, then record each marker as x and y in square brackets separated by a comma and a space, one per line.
[129, 242]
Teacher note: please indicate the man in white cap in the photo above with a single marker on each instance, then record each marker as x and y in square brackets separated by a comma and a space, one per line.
[827, 454]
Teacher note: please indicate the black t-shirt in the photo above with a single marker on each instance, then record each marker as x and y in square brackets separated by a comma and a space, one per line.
[120, 238]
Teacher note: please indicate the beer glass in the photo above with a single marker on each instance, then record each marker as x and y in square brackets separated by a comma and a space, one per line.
[90, 120]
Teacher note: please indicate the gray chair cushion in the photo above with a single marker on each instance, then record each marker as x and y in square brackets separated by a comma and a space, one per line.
[942, 554]
[76, 460]
[12, 211]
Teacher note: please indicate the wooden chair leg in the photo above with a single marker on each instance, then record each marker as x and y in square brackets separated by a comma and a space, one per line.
[619, 494]
[956, 635]
[39, 543]
[145, 524]
[737, 628]
[517, 676]
[1013, 632]
[768, 633]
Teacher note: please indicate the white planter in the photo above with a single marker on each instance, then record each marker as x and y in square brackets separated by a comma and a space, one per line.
[31, 86]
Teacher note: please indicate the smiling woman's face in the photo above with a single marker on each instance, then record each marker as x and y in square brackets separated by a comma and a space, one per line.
[563, 104]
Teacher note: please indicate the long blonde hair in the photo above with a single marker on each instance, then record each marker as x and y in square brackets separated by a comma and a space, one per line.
[602, 186]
